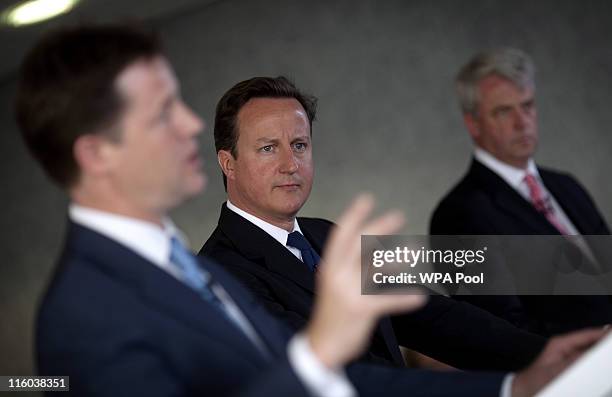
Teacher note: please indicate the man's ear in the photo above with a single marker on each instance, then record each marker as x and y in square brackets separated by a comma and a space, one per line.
[226, 162]
[91, 153]
[471, 123]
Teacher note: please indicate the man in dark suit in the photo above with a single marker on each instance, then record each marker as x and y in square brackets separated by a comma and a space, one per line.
[505, 193]
[263, 140]
[130, 311]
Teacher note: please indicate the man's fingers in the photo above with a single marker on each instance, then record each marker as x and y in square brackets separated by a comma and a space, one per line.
[569, 346]
[386, 224]
[581, 340]
[389, 223]
[351, 220]
[343, 237]
[388, 304]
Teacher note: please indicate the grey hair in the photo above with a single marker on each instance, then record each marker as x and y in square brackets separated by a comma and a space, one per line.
[509, 63]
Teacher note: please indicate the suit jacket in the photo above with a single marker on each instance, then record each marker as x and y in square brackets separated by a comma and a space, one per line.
[456, 333]
[482, 203]
[120, 326]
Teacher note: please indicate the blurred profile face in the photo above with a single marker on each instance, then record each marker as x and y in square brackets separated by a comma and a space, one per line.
[155, 164]
[271, 177]
[505, 123]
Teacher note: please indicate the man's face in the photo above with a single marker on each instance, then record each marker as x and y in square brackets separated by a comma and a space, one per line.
[505, 123]
[155, 164]
[271, 176]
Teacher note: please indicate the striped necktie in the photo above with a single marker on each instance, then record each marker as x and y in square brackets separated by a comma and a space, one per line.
[542, 204]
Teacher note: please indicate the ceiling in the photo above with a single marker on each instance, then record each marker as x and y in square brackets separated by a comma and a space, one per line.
[15, 41]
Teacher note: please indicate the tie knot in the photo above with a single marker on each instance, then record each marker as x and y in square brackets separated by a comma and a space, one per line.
[188, 265]
[309, 256]
[178, 252]
[535, 192]
[297, 240]
[530, 180]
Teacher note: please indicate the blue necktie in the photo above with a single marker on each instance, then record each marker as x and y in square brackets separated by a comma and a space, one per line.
[309, 255]
[194, 276]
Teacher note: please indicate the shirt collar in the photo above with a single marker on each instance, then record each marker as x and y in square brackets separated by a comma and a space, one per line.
[512, 175]
[146, 239]
[279, 234]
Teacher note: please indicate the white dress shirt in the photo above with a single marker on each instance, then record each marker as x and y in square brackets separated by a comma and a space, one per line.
[152, 242]
[277, 233]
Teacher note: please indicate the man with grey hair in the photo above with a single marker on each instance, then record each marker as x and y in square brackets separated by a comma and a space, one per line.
[505, 193]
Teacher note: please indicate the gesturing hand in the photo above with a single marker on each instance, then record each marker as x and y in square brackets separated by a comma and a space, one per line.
[343, 319]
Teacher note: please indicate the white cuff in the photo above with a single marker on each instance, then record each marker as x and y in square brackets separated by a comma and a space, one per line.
[319, 380]
[506, 389]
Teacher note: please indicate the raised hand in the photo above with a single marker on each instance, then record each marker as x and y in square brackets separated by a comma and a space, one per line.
[343, 319]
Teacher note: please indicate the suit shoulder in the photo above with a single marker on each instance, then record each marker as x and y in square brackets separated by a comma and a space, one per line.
[565, 181]
[465, 195]
[317, 223]
[76, 277]
[561, 177]
[554, 173]
[224, 252]
[215, 239]
[464, 205]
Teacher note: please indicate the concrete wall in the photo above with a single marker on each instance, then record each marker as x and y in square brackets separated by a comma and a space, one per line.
[388, 120]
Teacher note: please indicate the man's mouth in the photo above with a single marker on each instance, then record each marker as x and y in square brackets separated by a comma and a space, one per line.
[195, 160]
[289, 186]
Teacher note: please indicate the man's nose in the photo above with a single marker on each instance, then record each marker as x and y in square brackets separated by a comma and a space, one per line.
[190, 123]
[522, 118]
[289, 162]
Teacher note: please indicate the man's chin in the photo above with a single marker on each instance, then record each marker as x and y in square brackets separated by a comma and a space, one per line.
[292, 206]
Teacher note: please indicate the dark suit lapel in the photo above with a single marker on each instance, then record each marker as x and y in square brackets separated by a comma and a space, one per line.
[258, 246]
[267, 328]
[509, 200]
[572, 208]
[158, 289]
[316, 240]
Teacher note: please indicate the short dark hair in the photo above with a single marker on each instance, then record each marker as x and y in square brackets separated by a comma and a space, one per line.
[226, 133]
[67, 89]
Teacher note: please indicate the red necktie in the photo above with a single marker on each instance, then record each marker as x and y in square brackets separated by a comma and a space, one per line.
[542, 205]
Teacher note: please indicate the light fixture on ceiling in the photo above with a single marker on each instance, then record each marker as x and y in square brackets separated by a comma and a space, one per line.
[35, 11]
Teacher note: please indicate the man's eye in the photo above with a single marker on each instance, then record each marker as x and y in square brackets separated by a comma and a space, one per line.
[300, 146]
[502, 112]
[267, 148]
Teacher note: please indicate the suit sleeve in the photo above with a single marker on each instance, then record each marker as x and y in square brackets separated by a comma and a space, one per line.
[483, 340]
[372, 380]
